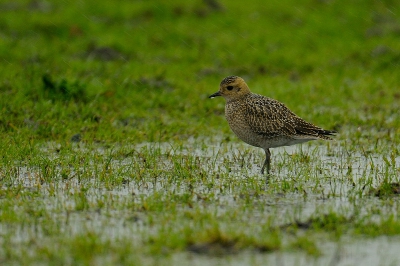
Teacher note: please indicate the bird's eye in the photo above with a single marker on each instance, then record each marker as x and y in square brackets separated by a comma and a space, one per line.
[229, 88]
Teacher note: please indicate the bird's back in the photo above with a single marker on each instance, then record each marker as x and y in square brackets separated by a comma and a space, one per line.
[264, 122]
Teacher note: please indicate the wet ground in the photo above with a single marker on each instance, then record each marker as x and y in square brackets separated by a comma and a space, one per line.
[306, 181]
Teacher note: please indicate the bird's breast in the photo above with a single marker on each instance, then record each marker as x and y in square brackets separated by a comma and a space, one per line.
[235, 115]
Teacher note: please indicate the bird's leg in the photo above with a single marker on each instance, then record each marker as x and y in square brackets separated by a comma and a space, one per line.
[267, 161]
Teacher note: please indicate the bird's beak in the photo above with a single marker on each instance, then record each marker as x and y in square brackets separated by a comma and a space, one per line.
[215, 95]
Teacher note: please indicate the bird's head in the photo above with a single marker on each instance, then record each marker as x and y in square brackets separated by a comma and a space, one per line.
[232, 88]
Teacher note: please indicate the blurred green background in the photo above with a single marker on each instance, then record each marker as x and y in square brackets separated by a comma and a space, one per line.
[142, 70]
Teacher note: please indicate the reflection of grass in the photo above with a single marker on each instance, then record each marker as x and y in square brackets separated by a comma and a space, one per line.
[85, 85]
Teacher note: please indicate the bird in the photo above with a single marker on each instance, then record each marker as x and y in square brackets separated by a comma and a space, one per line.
[264, 122]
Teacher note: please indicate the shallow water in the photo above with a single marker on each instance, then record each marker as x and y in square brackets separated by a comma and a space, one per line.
[379, 251]
[306, 180]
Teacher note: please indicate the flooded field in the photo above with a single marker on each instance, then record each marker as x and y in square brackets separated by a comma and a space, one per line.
[205, 202]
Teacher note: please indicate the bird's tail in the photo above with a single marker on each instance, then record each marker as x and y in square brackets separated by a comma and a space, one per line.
[325, 134]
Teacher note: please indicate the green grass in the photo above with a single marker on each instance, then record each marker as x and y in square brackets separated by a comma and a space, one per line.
[112, 154]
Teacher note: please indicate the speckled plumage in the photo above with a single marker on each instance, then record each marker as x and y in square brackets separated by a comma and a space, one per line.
[264, 122]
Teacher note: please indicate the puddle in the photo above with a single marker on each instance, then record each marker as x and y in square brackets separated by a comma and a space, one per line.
[308, 179]
[378, 251]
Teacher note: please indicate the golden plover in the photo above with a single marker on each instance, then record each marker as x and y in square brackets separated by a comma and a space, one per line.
[264, 122]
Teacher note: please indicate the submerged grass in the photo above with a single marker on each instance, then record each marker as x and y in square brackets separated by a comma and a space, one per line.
[112, 153]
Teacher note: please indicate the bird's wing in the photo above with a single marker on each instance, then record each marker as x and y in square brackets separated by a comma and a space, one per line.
[269, 118]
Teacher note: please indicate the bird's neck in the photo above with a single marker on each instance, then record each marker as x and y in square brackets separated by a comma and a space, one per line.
[238, 98]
